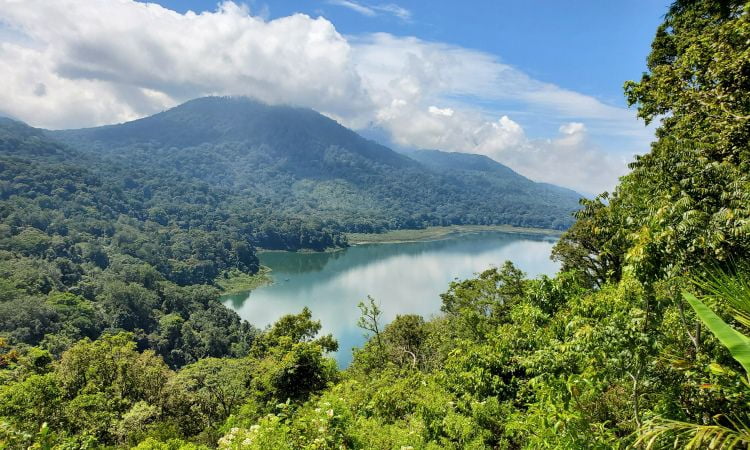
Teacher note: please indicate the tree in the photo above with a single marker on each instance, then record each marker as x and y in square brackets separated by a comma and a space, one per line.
[293, 373]
[404, 338]
[483, 302]
[595, 245]
[111, 373]
[687, 201]
[296, 328]
[369, 320]
[727, 430]
[215, 388]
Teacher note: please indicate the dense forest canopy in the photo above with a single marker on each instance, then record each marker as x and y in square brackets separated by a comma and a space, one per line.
[642, 340]
[294, 163]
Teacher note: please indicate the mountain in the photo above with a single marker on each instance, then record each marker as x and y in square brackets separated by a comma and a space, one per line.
[299, 163]
[287, 131]
[501, 176]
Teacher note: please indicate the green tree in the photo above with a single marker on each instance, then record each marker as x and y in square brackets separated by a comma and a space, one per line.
[296, 328]
[214, 388]
[594, 246]
[369, 320]
[690, 194]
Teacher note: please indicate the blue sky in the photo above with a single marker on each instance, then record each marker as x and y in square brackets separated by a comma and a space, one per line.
[536, 85]
[591, 46]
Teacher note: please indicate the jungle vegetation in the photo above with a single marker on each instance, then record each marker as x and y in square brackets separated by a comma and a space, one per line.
[642, 340]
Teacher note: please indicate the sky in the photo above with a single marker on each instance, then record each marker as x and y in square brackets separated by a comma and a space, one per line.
[534, 84]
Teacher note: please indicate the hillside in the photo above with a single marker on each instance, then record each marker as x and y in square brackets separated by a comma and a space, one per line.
[482, 169]
[303, 164]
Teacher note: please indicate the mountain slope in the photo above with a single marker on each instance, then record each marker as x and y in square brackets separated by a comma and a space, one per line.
[480, 167]
[287, 131]
[302, 164]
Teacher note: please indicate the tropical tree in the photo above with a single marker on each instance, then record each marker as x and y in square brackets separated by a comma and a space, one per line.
[727, 430]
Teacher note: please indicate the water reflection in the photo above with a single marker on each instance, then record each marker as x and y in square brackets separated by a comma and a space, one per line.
[404, 278]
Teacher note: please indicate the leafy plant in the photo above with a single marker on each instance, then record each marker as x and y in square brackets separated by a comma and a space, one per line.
[726, 432]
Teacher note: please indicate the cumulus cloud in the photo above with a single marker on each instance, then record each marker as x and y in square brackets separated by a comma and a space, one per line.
[409, 68]
[404, 75]
[570, 159]
[136, 58]
[73, 63]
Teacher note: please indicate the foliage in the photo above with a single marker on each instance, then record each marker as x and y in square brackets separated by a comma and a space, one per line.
[606, 354]
[728, 431]
[594, 246]
[737, 343]
[106, 392]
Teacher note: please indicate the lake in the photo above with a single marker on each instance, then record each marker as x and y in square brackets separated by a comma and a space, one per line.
[404, 278]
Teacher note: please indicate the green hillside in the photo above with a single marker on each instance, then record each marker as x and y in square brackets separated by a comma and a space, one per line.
[302, 164]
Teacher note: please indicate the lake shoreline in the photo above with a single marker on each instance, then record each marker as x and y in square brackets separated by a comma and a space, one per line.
[236, 282]
[438, 233]
[435, 233]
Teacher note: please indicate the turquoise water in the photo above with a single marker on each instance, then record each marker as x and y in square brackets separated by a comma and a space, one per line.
[404, 278]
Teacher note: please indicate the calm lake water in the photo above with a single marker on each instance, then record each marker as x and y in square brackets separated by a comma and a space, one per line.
[404, 278]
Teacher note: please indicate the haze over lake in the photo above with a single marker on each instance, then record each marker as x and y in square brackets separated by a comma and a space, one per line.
[404, 278]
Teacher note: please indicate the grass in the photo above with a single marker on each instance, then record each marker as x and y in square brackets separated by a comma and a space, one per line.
[435, 233]
[234, 281]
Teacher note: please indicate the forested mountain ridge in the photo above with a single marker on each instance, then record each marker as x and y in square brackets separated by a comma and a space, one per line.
[285, 130]
[303, 164]
[481, 168]
[83, 251]
[465, 161]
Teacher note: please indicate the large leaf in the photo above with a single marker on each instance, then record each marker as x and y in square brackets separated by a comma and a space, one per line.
[737, 343]
[733, 287]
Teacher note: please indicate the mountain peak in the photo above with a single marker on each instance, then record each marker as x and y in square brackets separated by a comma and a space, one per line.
[287, 131]
[206, 119]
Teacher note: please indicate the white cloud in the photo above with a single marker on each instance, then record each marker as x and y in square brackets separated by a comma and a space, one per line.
[354, 6]
[408, 67]
[570, 159]
[374, 10]
[393, 9]
[135, 58]
[447, 112]
[572, 128]
[408, 78]
[72, 63]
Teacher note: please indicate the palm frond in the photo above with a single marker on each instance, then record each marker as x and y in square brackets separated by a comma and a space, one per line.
[732, 287]
[662, 433]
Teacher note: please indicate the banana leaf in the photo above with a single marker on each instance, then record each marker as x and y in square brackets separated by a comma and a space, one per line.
[737, 343]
